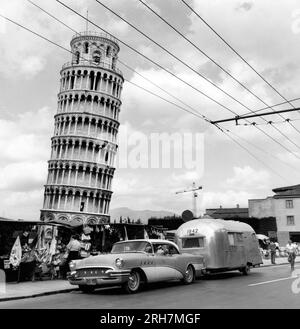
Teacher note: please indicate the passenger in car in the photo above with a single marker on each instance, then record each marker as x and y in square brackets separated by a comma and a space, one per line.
[162, 250]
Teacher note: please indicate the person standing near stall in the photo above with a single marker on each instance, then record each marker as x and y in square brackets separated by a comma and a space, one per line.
[272, 247]
[73, 248]
[85, 242]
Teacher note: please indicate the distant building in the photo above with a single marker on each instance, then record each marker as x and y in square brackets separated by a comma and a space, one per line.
[262, 225]
[285, 207]
[226, 213]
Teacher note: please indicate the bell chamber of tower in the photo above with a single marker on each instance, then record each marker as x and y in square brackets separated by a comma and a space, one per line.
[84, 143]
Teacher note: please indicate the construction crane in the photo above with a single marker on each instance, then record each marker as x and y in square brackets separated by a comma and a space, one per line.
[193, 189]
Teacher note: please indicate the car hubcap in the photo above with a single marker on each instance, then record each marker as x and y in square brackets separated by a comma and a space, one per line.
[133, 281]
[189, 274]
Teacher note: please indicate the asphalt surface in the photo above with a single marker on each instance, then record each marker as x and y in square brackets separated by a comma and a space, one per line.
[266, 287]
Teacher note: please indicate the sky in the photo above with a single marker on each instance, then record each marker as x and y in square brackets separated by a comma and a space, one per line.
[266, 33]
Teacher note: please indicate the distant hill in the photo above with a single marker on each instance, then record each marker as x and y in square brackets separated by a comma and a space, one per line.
[143, 215]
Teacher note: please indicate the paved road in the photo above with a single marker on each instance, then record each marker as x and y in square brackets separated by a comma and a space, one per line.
[266, 287]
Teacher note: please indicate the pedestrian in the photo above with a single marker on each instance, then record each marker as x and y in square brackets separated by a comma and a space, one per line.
[73, 248]
[272, 247]
[291, 251]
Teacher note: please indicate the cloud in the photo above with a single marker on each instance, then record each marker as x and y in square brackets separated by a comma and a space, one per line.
[23, 205]
[23, 176]
[27, 138]
[227, 199]
[247, 177]
[119, 27]
[212, 72]
[25, 149]
[32, 65]
[244, 6]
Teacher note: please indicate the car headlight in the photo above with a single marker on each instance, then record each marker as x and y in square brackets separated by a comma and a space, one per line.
[72, 265]
[119, 262]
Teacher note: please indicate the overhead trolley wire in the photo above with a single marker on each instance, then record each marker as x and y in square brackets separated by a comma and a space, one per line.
[204, 53]
[147, 58]
[157, 64]
[174, 56]
[162, 47]
[58, 20]
[61, 47]
[254, 156]
[262, 150]
[130, 68]
[239, 55]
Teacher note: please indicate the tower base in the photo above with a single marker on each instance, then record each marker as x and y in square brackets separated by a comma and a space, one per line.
[73, 218]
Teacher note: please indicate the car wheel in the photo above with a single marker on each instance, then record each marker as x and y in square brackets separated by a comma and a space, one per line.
[133, 284]
[86, 289]
[189, 275]
[245, 270]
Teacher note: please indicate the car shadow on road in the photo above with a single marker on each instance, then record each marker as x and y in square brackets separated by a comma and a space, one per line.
[117, 290]
[228, 275]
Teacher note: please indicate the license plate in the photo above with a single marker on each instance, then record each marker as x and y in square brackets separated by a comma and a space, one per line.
[91, 281]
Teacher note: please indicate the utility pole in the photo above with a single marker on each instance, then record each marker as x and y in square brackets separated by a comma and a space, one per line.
[247, 116]
[194, 190]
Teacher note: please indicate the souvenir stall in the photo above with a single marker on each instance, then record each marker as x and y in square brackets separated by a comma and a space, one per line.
[17, 238]
[29, 250]
[100, 238]
[42, 250]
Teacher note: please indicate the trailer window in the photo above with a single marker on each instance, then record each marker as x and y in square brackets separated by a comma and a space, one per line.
[239, 237]
[193, 243]
[231, 239]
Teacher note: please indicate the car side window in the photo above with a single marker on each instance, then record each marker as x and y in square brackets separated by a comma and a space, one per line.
[161, 249]
[173, 250]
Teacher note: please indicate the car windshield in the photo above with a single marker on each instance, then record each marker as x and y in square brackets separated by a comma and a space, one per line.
[129, 246]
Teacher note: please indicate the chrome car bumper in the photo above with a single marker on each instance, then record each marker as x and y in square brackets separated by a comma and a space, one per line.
[110, 277]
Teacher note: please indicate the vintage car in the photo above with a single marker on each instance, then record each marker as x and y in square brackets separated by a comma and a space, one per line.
[133, 263]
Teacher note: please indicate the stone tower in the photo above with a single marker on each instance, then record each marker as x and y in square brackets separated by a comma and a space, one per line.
[81, 166]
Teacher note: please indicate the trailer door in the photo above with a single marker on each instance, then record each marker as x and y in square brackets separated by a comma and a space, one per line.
[236, 253]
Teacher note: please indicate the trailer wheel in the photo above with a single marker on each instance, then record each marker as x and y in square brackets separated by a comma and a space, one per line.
[245, 270]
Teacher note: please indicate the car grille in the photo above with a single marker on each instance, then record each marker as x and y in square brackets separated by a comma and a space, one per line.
[92, 272]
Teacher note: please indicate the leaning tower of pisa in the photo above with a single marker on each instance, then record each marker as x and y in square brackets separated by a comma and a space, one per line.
[83, 148]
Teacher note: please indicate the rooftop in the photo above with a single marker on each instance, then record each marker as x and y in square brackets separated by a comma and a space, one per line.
[293, 190]
[228, 212]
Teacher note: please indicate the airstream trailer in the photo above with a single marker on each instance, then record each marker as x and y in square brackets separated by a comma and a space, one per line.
[225, 245]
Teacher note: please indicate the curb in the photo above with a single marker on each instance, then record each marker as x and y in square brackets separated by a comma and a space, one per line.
[268, 265]
[46, 293]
